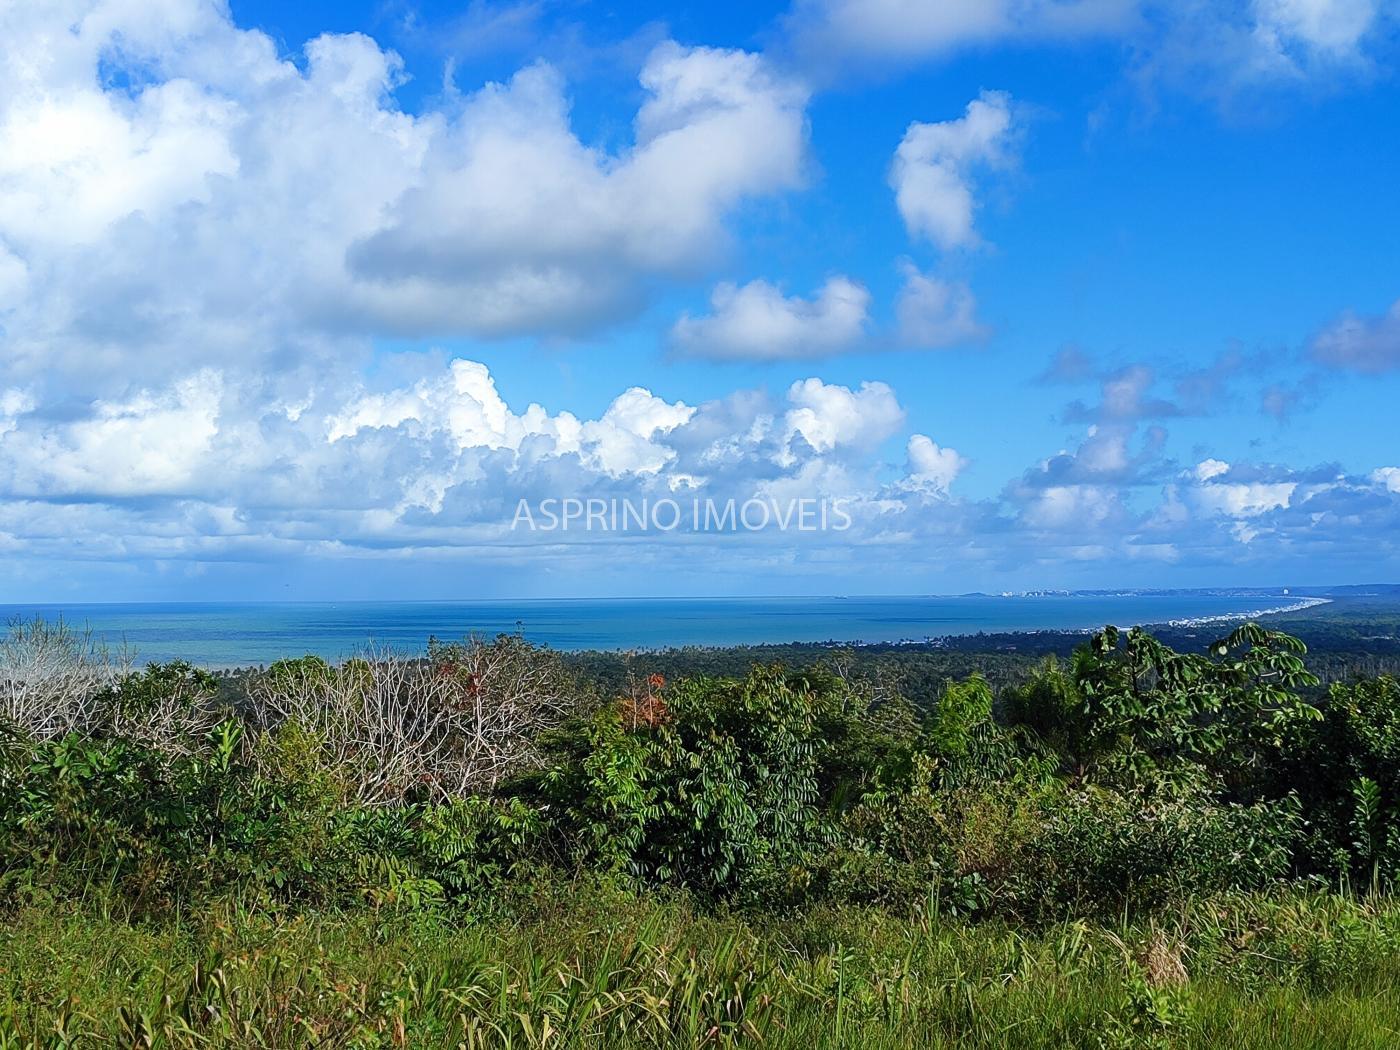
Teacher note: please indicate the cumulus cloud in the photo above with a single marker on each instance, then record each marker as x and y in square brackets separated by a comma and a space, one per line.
[934, 165]
[1109, 454]
[517, 225]
[931, 467]
[149, 444]
[1126, 395]
[933, 313]
[1388, 478]
[1210, 468]
[458, 417]
[444, 446]
[200, 236]
[1361, 344]
[1058, 508]
[757, 322]
[827, 416]
[172, 189]
[1213, 491]
[1162, 390]
[1262, 504]
[207, 470]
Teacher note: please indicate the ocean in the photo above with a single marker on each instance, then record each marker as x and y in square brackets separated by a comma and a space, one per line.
[243, 634]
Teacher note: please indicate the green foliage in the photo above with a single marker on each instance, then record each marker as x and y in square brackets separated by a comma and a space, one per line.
[1346, 769]
[717, 792]
[1051, 705]
[1129, 777]
[285, 828]
[299, 670]
[142, 693]
[963, 709]
[82, 813]
[1149, 708]
[940, 875]
[1099, 852]
[588, 967]
[460, 853]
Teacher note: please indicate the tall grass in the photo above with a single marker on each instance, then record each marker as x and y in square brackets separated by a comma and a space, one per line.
[586, 966]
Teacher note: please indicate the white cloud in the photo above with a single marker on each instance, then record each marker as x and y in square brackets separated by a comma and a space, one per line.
[173, 191]
[1105, 451]
[465, 407]
[1104, 456]
[1199, 46]
[881, 30]
[1071, 507]
[410, 445]
[207, 469]
[623, 440]
[1387, 477]
[1243, 500]
[1227, 51]
[13, 404]
[464, 404]
[1210, 468]
[516, 225]
[757, 322]
[827, 416]
[933, 313]
[14, 278]
[933, 167]
[152, 443]
[1332, 27]
[930, 466]
[1126, 396]
[1212, 491]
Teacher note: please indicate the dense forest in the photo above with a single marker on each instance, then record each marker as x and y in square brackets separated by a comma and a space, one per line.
[491, 844]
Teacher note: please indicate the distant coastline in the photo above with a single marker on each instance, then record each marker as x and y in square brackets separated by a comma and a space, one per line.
[243, 635]
[1204, 621]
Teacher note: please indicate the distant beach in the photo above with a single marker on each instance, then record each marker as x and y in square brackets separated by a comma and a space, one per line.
[1298, 606]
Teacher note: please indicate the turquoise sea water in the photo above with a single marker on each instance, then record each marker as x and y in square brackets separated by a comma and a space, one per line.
[240, 634]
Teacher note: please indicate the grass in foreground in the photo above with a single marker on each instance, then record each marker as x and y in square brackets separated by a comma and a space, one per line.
[584, 965]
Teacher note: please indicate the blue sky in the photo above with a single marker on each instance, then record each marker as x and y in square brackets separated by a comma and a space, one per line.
[304, 300]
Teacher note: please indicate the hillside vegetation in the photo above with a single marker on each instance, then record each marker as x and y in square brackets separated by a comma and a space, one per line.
[1131, 846]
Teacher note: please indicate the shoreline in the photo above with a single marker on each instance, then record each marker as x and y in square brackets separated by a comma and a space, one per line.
[997, 639]
[1302, 605]
[1202, 621]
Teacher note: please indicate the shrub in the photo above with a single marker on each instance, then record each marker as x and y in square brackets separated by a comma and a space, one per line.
[458, 852]
[1347, 770]
[285, 827]
[1099, 851]
[720, 796]
[78, 813]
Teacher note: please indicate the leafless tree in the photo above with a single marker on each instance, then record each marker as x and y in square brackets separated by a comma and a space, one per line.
[54, 680]
[444, 727]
